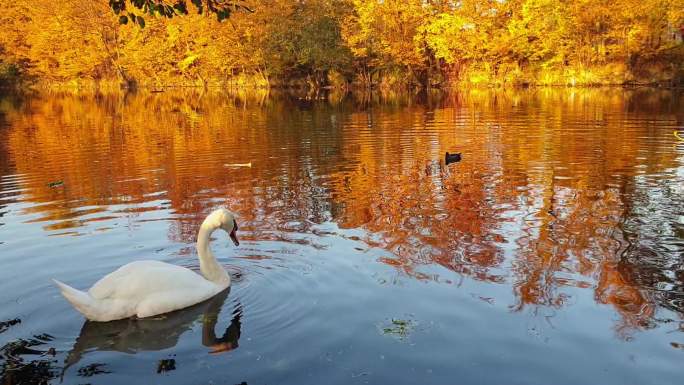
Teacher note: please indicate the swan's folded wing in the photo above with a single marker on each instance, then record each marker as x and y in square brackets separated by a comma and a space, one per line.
[141, 278]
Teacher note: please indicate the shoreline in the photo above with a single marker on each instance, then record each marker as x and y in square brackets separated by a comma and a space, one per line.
[349, 88]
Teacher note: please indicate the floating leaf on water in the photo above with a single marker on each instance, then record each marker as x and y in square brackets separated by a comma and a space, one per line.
[56, 184]
[399, 328]
[680, 138]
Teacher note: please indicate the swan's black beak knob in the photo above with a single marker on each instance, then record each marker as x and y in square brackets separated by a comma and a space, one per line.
[233, 234]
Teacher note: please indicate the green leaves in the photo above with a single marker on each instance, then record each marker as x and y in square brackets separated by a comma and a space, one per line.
[223, 14]
[123, 19]
[181, 8]
[117, 5]
[198, 5]
[222, 8]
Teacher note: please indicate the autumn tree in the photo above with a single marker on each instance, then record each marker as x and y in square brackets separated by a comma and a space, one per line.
[384, 35]
[377, 42]
[307, 42]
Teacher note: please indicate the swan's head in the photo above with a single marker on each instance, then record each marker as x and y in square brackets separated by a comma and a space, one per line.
[225, 220]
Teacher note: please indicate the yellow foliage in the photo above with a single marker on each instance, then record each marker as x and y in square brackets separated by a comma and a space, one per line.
[188, 61]
[376, 41]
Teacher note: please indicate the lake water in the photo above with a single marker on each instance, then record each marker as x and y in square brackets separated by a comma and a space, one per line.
[552, 253]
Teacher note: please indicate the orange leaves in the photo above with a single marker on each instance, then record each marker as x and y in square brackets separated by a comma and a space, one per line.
[528, 41]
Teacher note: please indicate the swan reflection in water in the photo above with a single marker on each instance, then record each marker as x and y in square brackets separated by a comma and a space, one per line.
[158, 333]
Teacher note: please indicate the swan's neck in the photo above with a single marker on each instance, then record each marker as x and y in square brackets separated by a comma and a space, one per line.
[210, 268]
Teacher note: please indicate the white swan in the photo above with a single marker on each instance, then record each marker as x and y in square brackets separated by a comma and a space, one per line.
[149, 288]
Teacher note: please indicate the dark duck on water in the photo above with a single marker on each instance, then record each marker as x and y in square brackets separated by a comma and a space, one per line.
[452, 158]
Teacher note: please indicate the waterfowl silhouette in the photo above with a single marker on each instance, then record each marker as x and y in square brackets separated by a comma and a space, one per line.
[452, 158]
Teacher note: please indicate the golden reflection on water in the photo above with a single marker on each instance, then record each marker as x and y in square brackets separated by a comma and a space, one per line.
[557, 188]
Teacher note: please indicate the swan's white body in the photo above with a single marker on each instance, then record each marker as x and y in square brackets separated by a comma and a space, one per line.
[149, 288]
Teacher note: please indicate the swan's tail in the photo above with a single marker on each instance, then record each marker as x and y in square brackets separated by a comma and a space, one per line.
[81, 300]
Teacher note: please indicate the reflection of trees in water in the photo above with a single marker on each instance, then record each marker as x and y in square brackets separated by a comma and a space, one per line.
[7, 102]
[548, 195]
[562, 184]
[653, 257]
